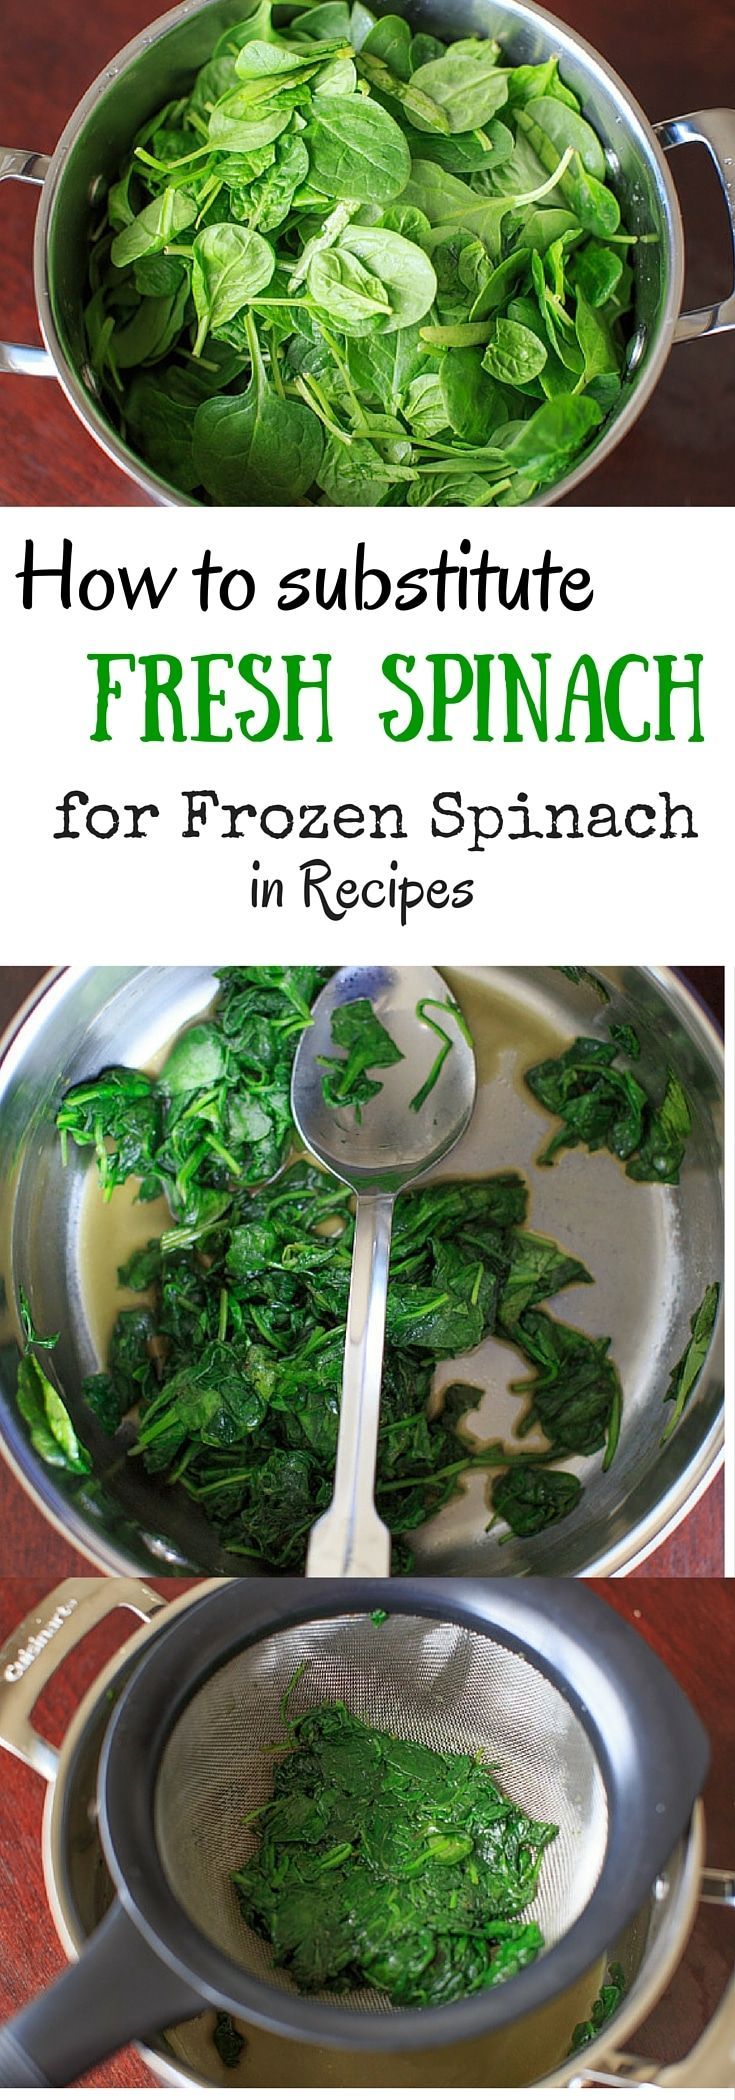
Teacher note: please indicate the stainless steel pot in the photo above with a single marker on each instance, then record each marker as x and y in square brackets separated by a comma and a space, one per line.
[652, 1251]
[160, 62]
[79, 1892]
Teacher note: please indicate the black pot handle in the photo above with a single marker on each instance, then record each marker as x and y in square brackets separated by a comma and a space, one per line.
[118, 1989]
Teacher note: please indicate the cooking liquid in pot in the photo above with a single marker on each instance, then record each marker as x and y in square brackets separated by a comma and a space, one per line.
[627, 1235]
[506, 1132]
[521, 2055]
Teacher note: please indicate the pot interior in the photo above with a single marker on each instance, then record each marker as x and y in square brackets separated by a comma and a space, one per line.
[651, 1250]
[160, 65]
[536, 2050]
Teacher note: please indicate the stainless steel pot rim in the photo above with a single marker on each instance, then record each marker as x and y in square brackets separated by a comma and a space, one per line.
[644, 1993]
[161, 491]
[620, 1558]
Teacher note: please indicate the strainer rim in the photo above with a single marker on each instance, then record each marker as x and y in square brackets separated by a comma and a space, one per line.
[650, 1748]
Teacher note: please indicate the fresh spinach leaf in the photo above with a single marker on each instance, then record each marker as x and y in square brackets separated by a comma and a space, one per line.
[466, 83]
[356, 150]
[231, 265]
[256, 447]
[336, 181]
[157, 224]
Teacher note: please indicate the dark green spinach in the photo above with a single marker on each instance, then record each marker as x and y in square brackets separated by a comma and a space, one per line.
[604, 2005]
[51, 1428]
[388, 1866]
[687, 1371]
[232, 1374]
[528, 1498]
[602, 1105]
[356, 1029]
[428, 1011]
[228, 2043]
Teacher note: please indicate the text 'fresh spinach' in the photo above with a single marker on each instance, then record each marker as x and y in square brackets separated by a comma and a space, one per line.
[386, 1865]
[356, 265]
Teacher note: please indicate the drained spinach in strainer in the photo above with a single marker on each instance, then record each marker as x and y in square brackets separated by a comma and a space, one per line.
[358, 265]
[387, 1865]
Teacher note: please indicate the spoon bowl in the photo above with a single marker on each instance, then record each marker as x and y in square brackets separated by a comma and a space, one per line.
[398, 1136]
[420, 1108]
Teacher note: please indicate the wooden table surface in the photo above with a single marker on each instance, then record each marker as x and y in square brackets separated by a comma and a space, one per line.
[674, 55]
[30, 1545]
[692, 1627]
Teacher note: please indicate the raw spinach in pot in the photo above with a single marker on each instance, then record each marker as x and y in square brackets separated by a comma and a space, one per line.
[227, 1378]
[385, 1865]
[357, 266]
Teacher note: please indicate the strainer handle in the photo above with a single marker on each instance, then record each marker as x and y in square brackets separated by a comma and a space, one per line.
[715, 129]
[32, 1654]
[117, 1991]
[30, 359]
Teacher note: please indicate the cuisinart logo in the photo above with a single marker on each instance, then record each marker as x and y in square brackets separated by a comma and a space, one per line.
[38, 1642]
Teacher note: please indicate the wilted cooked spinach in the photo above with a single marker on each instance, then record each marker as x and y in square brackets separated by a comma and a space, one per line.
[428, 1010]
[386, 1865]
[604, 2005]
[578, 974]
[228, 2043]
[219, 1111]
[603, 1105]
[358, 265]
[231, 1376]
[52, 1431]
[529, 1498]
[356, 1028]
[687, 1371]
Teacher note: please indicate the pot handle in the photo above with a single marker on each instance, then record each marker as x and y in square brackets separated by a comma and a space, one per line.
[32, 1654]
[30, 359]
[715, 129]
[712, 2060]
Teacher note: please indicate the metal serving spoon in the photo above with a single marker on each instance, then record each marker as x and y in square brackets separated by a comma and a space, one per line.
[377, 1156]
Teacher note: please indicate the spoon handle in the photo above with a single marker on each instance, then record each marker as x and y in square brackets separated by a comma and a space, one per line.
[350, 1538]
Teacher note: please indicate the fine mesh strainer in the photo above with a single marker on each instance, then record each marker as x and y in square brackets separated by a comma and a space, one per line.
[589, 1729]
